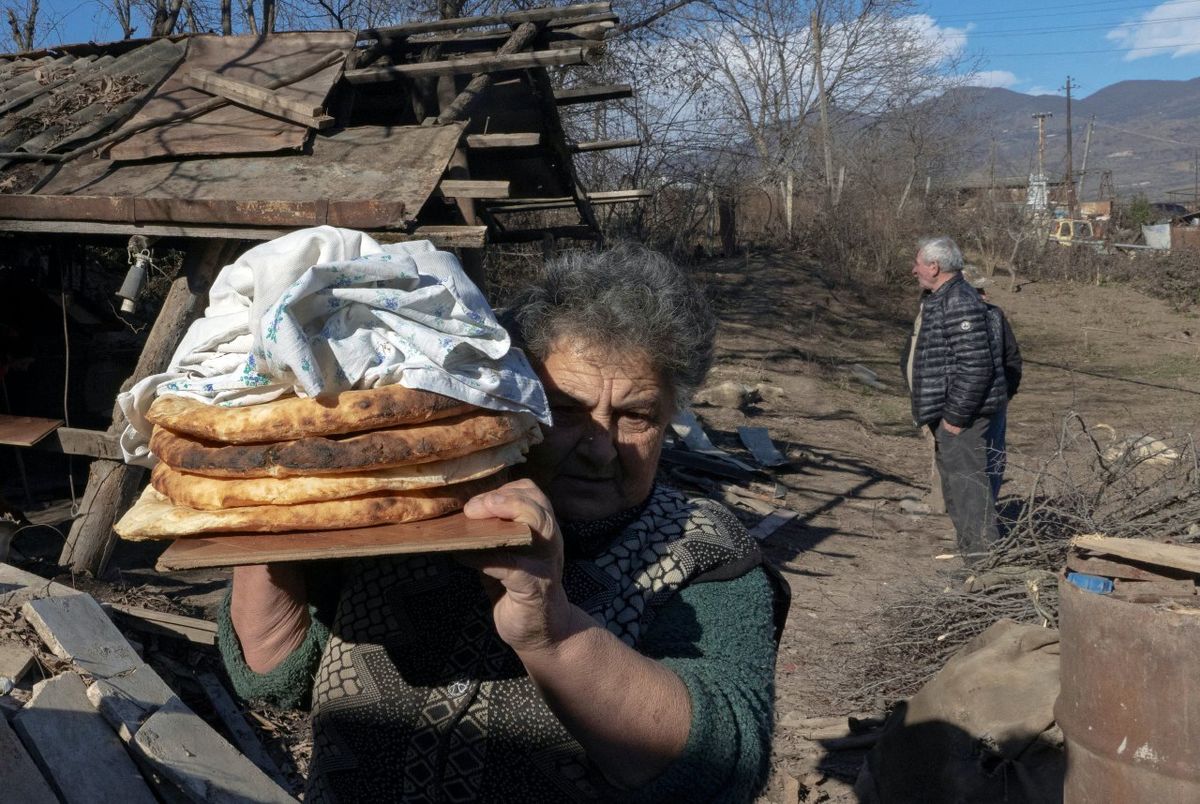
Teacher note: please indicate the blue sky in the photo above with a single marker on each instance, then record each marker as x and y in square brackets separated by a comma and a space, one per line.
[1032, 47]
[1023, 45]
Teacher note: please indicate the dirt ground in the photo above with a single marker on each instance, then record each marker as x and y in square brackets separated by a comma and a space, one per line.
[1109, 353]
[791, 330]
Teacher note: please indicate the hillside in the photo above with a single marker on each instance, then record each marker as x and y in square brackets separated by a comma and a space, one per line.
[1136, 122]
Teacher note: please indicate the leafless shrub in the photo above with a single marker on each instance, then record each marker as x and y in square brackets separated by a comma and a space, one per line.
[1140, 487]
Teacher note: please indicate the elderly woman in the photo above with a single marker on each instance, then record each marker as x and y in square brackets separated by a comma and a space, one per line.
[628, 655]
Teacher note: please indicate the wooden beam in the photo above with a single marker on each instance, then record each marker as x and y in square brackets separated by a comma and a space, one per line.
[557, 138]
[205, 767]
[200, 632]
[74, 748]
[22, 782]
[548, 14]
[1173, 556]
[566, 97]
[486, 63]
[474, 188]
[92, 443]
[604, 145]
[528, 139]
[258, 99]
[447, 236]
[603, 197]
[234, 718]
[77, 629]
[591, 27]
[537, 235]
[197, 231]
[459, 108]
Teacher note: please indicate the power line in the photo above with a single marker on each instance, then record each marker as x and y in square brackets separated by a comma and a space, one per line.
[1086, 52]
[1039, 31]
[1010, 14]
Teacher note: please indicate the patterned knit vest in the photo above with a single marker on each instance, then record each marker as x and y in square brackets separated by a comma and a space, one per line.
[416, 698]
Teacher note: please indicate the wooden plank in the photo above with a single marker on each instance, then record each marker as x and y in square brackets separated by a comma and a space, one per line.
[197, 759]
[758, 441]
[1120, 569]
[547, 14]
[25, 431]
[201, 632]
[604, 145]
[127, 700]
[474, 188]
[18, 774]
[528, 139]
[15, 661]
[1176, 556]
[258, 98]
[235, 721]
[148, 229]
[76, 628]
[487, 63]
[75, 749]
[448, 236]
[566, 97]
[602, 197]
[772, 522]
[93, 443]
[454, 532]
[18, 586]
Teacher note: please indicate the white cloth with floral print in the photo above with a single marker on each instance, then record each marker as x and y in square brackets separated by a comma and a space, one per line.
[324, 310]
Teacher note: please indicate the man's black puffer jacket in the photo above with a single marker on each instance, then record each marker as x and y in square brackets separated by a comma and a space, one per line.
[958, 372]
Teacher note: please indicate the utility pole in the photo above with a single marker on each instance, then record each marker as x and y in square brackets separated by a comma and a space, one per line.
[1196, 179]
[1087, 146]
[1070, 181]
[815, 30]
[1039, 195]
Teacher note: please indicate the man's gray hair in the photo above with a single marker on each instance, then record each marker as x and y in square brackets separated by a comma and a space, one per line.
[941, 250]
[626, 299]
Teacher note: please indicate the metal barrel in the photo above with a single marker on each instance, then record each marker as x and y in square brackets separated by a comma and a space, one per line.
[1129, 705]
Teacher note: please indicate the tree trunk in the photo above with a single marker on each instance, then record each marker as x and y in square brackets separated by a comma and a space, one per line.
[227, 17]
[727, 223]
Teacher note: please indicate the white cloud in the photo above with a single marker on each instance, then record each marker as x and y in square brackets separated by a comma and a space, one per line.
[993, 78]
[1038, 89]
[944, 43]
[1163, 29]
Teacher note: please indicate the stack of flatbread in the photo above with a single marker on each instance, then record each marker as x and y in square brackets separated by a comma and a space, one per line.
[390, 454]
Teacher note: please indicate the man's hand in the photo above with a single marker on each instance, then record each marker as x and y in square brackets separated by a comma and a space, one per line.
[529, 606]
[950, 428]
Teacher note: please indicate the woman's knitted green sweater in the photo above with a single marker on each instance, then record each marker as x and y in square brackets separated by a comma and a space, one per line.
[715, 634]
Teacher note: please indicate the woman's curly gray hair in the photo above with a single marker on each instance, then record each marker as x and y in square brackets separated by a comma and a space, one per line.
[628, 299]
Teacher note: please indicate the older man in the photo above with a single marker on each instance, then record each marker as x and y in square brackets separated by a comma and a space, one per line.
[956, 377]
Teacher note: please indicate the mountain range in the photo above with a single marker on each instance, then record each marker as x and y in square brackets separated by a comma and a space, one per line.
[1146, 133]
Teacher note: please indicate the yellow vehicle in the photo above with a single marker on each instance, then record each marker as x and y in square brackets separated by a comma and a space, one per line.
[1069, 232]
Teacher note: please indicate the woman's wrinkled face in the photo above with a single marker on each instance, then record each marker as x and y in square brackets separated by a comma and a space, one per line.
[610, 412]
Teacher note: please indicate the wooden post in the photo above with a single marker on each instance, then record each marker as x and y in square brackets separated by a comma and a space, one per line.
[727, 223]
[112, 485]
[823, 101]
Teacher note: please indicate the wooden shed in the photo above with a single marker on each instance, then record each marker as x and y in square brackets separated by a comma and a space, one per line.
[445, 130]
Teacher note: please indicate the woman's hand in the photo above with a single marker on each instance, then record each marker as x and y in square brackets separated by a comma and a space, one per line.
[529, 607]
[269, 611]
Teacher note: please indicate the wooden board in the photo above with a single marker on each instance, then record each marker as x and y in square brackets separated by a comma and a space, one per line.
[204, 766]
[75, 749]
[1176, 556]
[233, 716]
[76, 628]
[25, 431]
[454, 532]
[22, 782]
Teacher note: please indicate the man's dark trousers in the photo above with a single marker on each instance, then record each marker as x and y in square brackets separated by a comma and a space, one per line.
[962, 463]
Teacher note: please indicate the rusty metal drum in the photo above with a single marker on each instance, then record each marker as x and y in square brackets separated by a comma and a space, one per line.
[1129, 706]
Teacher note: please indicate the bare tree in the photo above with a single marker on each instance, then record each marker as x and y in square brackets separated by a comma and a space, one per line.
[22, 25]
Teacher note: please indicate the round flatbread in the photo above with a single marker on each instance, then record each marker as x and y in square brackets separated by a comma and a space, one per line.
[380, 449]
[214, 493]
[296, 417]
[154, 516]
